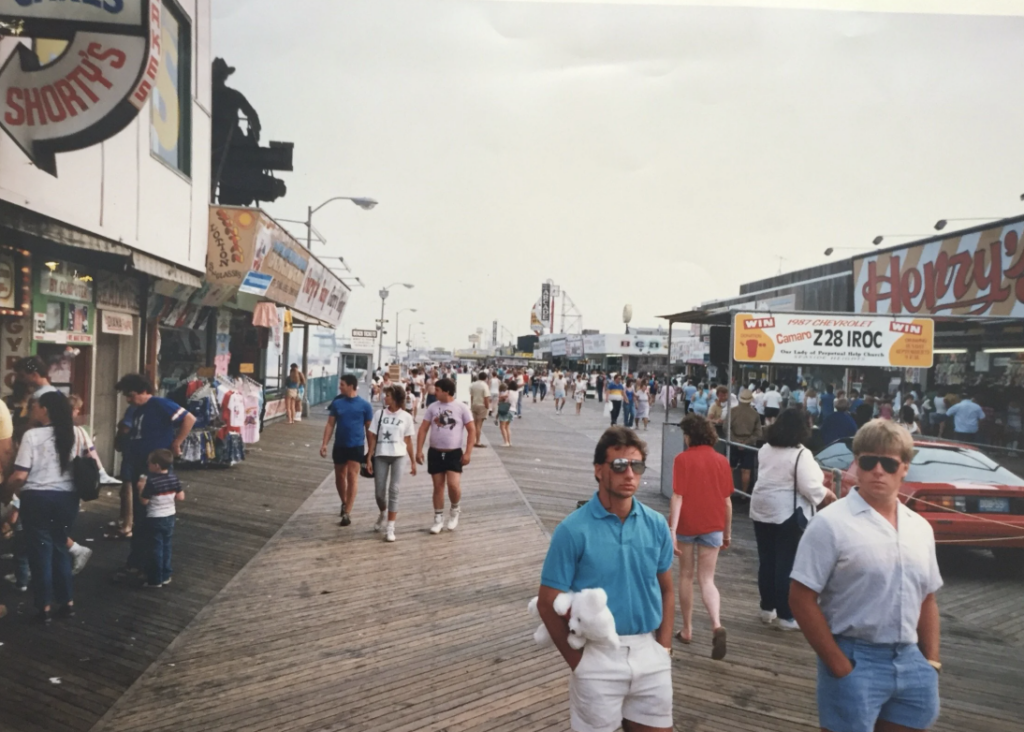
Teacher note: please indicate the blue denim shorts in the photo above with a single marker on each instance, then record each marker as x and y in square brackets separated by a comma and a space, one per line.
[892, 682]
[713, 539]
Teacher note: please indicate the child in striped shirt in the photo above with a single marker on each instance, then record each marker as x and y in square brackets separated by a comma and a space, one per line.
[158, 490]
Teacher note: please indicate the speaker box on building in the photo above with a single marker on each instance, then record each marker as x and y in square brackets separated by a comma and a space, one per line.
[719, 344]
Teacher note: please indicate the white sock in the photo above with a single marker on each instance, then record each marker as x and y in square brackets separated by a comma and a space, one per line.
[75, 548]
[455, 507]
[391, 525]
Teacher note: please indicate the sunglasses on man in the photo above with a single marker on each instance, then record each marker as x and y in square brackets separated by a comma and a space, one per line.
[619, 465]
[867, 463]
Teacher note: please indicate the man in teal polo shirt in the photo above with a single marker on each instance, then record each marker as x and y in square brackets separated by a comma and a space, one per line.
[616, 543]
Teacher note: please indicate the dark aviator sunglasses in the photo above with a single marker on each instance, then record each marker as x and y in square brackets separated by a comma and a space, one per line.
[619, 465]
[867, 463]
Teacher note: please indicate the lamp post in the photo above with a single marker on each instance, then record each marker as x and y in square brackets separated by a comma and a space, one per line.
[403, 310]
[941, 223]
[384, 292]
[364, 203]
[408, 337]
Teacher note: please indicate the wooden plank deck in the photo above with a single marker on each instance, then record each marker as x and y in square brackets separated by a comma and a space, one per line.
[328, 628]
[118, 632]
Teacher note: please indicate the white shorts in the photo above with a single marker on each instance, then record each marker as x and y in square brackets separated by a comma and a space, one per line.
[632, 682]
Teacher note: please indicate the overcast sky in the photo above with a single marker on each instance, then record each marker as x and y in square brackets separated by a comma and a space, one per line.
[657, 155]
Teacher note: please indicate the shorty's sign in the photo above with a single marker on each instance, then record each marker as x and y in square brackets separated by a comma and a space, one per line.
[825, 338]
[97, 86]
[981, 273]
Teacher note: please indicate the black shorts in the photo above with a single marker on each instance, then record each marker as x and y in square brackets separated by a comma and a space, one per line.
[444, 462]
[771, 412]
[344, 455]
[743, 459]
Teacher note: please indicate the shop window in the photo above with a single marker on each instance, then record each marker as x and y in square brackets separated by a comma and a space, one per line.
[170, 127]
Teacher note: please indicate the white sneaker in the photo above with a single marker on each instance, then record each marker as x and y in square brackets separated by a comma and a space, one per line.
[786, 624]
[453, 519]
[79, 558]
[380, 521]
[768, 616]
[390, 535]
[438, 523]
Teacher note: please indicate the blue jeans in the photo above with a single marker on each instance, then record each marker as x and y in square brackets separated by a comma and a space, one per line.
[160, 530]
[627, 414]
[890, 681]
[776, 552]
[47, 517]
[21, 568]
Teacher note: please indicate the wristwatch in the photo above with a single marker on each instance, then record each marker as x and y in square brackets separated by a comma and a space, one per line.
[935, 665]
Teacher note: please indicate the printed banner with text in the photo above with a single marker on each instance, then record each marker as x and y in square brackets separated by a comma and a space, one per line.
[825, 338]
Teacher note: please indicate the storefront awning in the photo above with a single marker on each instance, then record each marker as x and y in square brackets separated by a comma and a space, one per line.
[163, 270]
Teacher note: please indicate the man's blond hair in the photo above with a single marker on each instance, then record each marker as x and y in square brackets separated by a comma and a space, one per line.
[882, 437]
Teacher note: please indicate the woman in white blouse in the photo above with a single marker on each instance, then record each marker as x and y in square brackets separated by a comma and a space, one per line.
[789, 489]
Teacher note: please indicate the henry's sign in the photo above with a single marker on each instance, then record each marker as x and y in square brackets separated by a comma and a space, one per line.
[837, 340]
[979, 273]
[97, 86]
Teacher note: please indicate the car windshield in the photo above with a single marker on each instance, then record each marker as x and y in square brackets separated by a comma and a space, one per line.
[957, 465]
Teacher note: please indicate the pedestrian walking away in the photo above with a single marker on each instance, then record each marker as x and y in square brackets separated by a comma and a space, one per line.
[628, 404]
[389, 443]
[789, 489]
[348, 420]
[616, 393]
[507, 398]
[701, 523]
[745, 426]
[863, 590]
[616, 543]
[479, 404]
[449, 425]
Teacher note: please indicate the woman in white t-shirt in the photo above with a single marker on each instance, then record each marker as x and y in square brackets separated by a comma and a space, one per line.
[580, 395]
[390, 440]
[43, 480]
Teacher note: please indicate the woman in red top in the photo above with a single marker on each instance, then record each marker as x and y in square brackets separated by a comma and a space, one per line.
[701, 517]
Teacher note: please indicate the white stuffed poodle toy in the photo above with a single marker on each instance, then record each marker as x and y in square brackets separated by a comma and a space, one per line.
[589, 619]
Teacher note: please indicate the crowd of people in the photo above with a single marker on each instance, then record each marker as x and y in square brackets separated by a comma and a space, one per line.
[41, 446]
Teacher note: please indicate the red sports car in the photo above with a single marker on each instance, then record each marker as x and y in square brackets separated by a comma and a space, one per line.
[969, 499]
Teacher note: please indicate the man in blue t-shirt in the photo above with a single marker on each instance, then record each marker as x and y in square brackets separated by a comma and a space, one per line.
[616, 543]
[349, 419]
[156, 424]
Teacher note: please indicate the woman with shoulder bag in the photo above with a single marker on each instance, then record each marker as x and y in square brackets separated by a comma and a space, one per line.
[390, 440]
[790, 487]
[43, 478]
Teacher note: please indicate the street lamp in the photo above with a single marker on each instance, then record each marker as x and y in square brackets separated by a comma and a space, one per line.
[408, 337]
[380, 323]
[364, 203]
[881, 237]
[357, 280]
[403, 310]
[830, 250]
[941, 223]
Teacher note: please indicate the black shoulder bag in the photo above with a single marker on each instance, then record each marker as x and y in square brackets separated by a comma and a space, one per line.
[362, 468]
[85, 473]
[798, 517]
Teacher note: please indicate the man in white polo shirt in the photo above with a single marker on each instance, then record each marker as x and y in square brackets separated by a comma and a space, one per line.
[863, 591]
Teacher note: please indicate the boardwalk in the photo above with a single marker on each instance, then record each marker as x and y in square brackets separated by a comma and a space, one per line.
[326, 628]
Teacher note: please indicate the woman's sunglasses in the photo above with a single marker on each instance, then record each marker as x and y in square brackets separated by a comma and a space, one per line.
[619, 465]
[867, 463]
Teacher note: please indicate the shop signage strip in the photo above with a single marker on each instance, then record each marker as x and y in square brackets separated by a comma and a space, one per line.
[117, 323]
[978, 273]
[93, 91]
[256, 283]
[830, 339]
